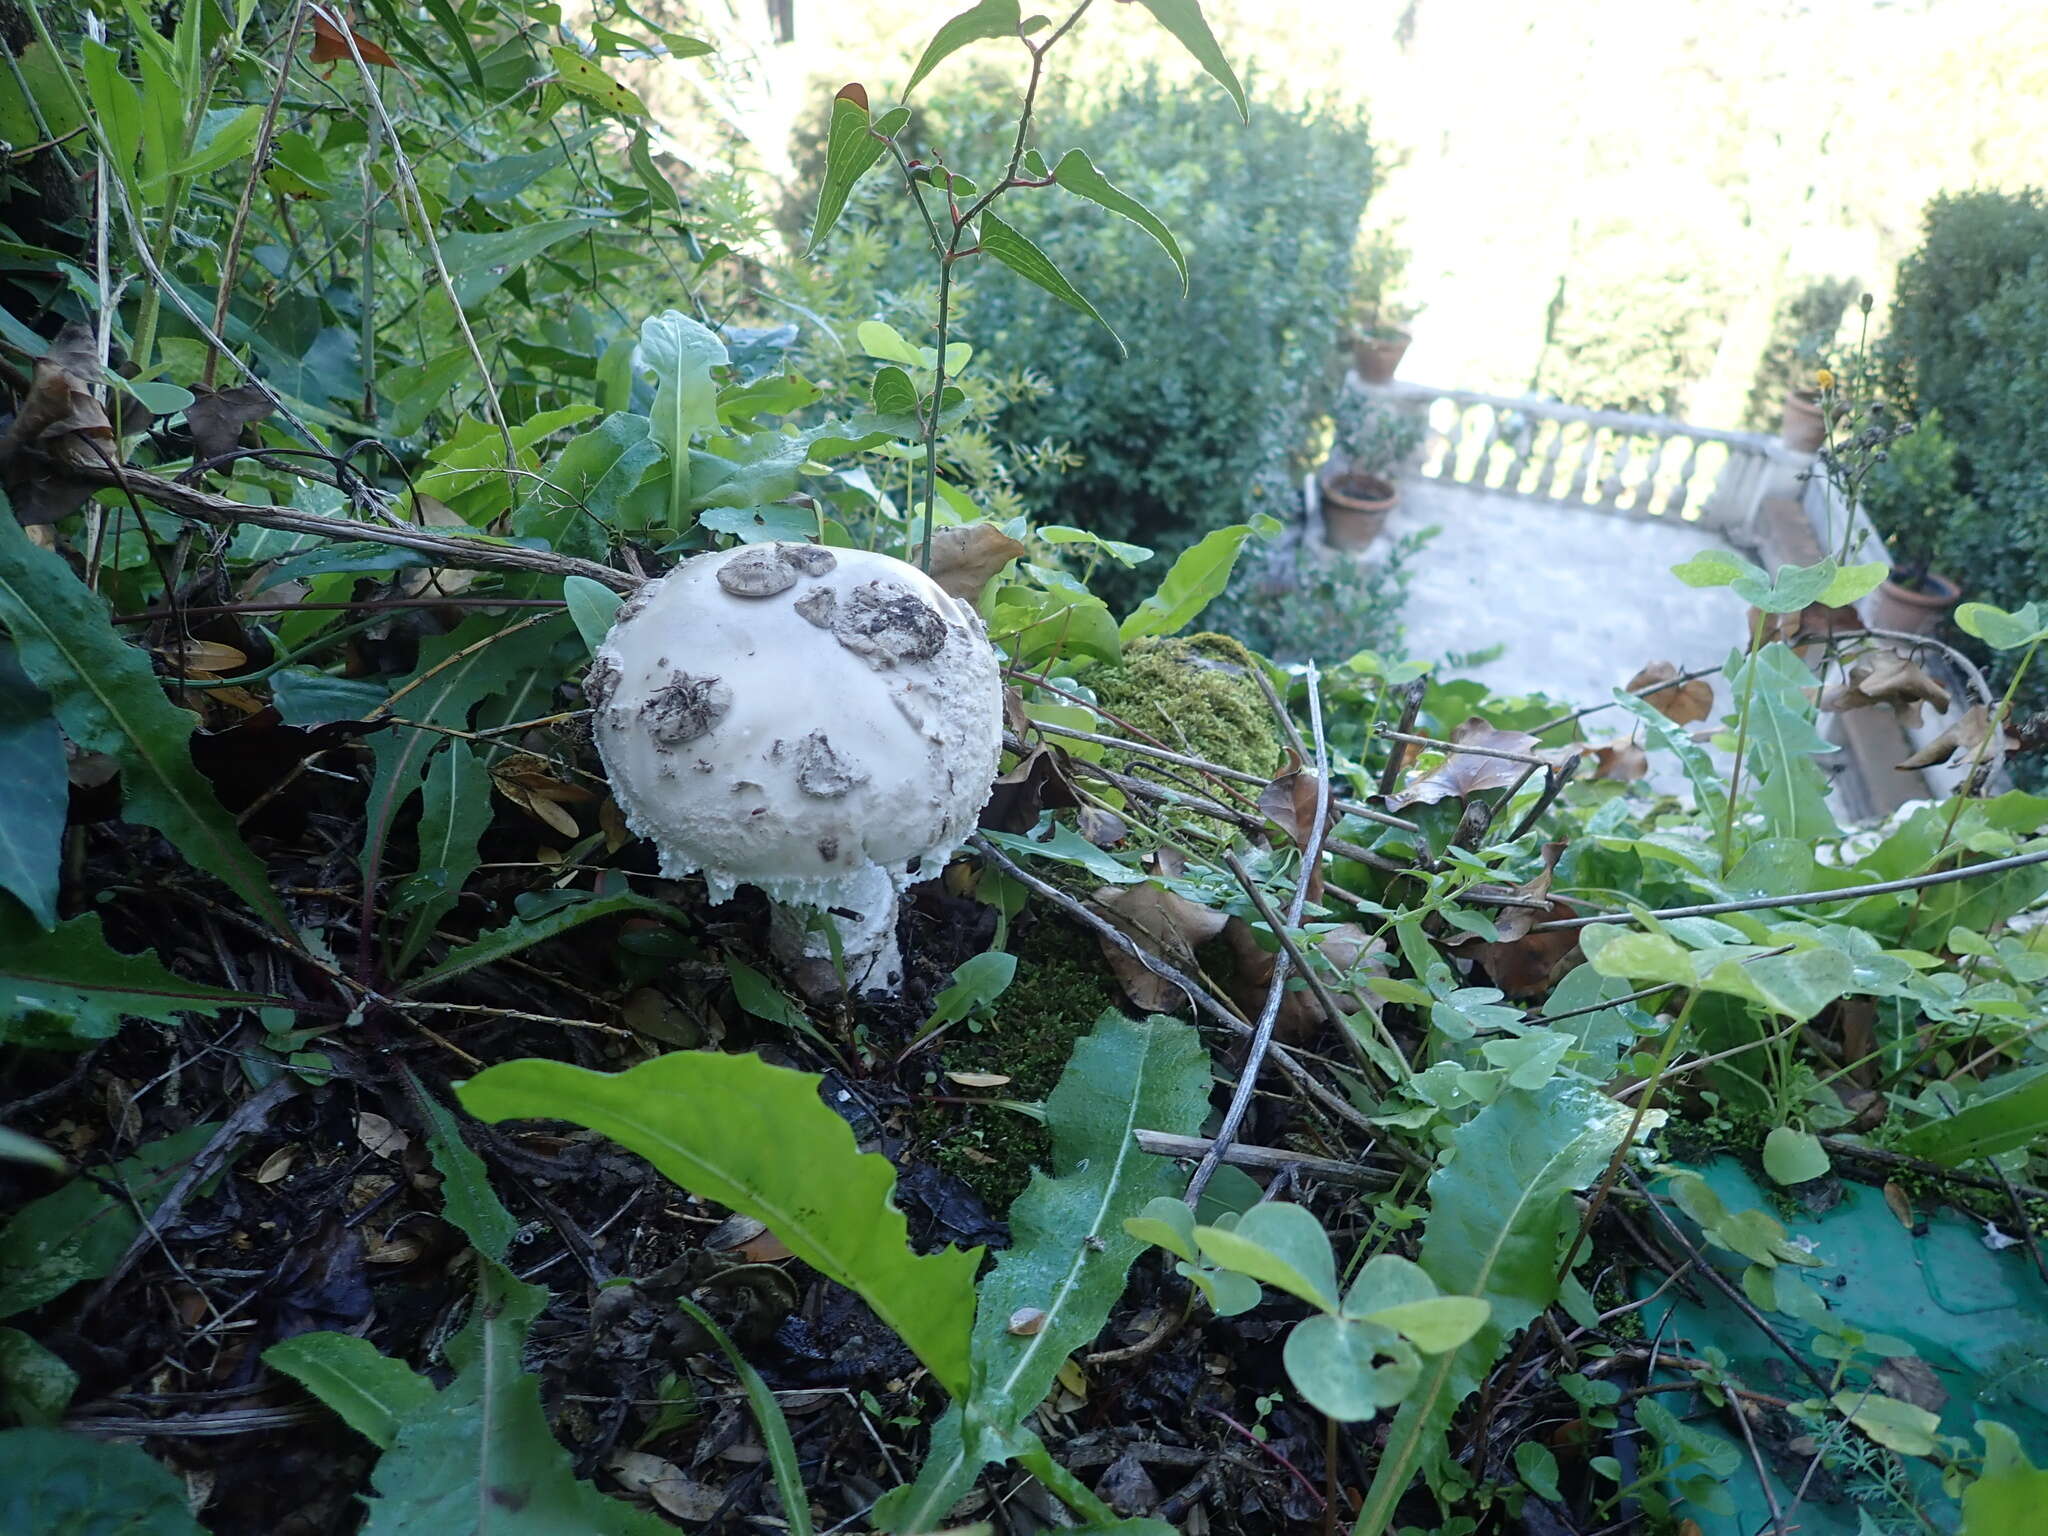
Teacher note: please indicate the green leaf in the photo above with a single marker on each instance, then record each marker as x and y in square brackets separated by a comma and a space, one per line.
[775, 1437]
[885, 343]
[2007, 1497]
[108, 700]
[1710, 791]
[2010, 1116]
[852, 146]
[989, 18]
[756, 1138]
[592, 607]
[1281, 1245]
[1852, 583]
[1536, 1465]
[372, 1393]
[1497, 1210]
[1348, 1368]
[1714, 568]
[524, 933]
[680, 352]
[67, 987]
[1078, 175]
[1070, 1249]
[1434, 1324]
[1184, 19]
[573, 72]
[35, 1386]
[17, 1148]
[79, 1232]
[1122, 553]
[977, 981]
[466, 1194]
[1793, 1157]
[480, 264]
[1797, 587]
[2004, 631]
[593, 489]
[69, 1485]
[455, 810]
[893, 394]
[1021, 256]
[1903, 1427]
[35, 790]
[1794, 986]
[1197, 578]
[479, 1456]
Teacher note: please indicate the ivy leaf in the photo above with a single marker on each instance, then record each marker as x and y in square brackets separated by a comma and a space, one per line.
[1077, 174]
[68, 987]
[1184, 19]
[1496, 1212]
[2004, 631]
[60, 1484]
[1070, 1249]
[108, 700]
[1796, 588]
[757, 1138]
[34, 789]
[990, 18]
[1195, 580]
[1715, 568]
[1017, 252]
[853, 143]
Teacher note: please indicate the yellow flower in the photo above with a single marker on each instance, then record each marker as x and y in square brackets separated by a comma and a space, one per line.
[1825, 378]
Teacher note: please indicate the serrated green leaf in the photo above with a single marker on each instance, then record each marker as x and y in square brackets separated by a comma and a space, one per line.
[1195, 580]
[1077, 174]
[1710, 791]
[108, 700]
[1070, 1249]
[1017, 252]
[479, 1456]
[70, 1485]
[756, 1138]
[372, 1393]
[1184, 19]
[80, 1231]
[775, 1436]
[851, 150]
[988, 19]
[593, 490]
[524, 933]
[592, 607]
[466, 1194]
[455, 809]
[68, 987]
[1496, 1212]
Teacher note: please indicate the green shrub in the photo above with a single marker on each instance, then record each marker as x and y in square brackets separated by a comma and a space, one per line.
[1802, 332]
[1913, 494]
[1217, 410]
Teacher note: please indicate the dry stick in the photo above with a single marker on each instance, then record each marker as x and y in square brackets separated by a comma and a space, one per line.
[265, 134]
[1454, 748]
[1553, 786]
[1879, 1157]
[1279, 711]
[1811, 898]
[1332, 1010]
[1269, 1159]
[1276, 990]
[1391, 774]
[151, 615]
[467, 553]
[1204, 1001]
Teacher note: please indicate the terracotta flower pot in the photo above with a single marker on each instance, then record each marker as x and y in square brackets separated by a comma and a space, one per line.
[1376, 357]
[1355, 507]
[1802, 429]
[1892, 606]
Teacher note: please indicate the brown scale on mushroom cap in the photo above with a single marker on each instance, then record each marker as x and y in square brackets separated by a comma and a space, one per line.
[757, 571]
[685, 708]
[811, 559]
[887, 624]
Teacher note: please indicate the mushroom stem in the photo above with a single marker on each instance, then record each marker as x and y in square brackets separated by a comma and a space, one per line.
[865, 925]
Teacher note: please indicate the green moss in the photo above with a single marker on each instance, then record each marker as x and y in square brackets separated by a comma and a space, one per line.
[1197, 696]
[1062, 988]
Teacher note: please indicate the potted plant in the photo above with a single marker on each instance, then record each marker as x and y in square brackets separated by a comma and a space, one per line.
[1360, 484]
[1910, 492]
[1802, 337]
[1376, 328]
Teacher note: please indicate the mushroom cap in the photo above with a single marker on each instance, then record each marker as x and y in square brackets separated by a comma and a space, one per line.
[791, 716]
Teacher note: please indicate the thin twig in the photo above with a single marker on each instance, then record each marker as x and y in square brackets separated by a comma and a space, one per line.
[1269, 1159]
[1276, 990]
[1811, 898]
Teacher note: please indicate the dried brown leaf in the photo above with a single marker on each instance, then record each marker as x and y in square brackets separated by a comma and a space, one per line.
[1103, 828]
[1911, 1380]
[1961, 739]
[330, 46]
[217, 417]
[1622, 759]
[436, 581]
[61, 419]
[1680, 703]
[1889, 679]
[979, 1079]
[379, 1136]
[649, 1476]
[1348, 950]
[1164, 924]
[1900, 1204]
[1038, 781]
[963, 559]
[276, 1166]
[1465, 773]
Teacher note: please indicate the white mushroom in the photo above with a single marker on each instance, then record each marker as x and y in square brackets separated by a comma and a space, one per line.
[821, 723]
